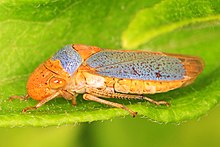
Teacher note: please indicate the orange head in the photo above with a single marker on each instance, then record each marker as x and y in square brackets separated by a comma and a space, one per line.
[53, 75]
[44, 82]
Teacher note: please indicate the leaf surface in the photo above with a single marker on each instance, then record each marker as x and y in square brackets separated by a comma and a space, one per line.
[33, 31]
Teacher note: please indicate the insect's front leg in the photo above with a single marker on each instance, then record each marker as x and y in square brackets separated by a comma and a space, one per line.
[19, 97]
[41, 102]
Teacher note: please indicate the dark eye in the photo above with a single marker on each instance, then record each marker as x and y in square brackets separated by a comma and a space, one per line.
[56, 83]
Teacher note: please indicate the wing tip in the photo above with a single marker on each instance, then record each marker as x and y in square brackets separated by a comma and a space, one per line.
[193, 67]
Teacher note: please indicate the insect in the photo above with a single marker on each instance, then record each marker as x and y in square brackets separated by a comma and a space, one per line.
[98, 73]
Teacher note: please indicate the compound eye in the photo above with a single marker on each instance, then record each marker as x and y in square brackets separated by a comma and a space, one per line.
[56, 83]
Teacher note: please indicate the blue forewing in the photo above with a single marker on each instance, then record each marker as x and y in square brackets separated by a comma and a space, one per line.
[137, 65]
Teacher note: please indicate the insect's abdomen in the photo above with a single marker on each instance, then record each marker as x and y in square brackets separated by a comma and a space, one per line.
[145, 87]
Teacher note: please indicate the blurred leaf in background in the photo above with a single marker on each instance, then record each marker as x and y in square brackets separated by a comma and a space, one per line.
[63, 136]
[168, 16]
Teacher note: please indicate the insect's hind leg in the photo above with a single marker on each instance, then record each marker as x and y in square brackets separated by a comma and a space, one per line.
[99, 100]
[141, 97]
[111, 94]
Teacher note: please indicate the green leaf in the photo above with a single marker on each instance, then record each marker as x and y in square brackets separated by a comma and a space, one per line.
[32, 31]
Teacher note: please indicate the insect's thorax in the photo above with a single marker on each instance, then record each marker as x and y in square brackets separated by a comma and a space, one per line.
[71, 58]
[82, 80]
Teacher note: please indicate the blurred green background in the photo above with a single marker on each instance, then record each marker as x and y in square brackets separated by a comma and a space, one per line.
[31, 31]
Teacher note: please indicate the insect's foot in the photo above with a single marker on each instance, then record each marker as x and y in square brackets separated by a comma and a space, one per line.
[74, 105]
[156, 102]
[162, 103]
[28, 108]
[134, 114]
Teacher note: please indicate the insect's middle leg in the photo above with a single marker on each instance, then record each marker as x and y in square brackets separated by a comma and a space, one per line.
[69, 96]
[99, 100]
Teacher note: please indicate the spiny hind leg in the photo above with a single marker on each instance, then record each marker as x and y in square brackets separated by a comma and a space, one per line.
[99, 100]
[109, 94]
[140, 97]
[40, 103]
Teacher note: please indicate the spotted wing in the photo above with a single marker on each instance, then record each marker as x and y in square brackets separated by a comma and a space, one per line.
[137, 65]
